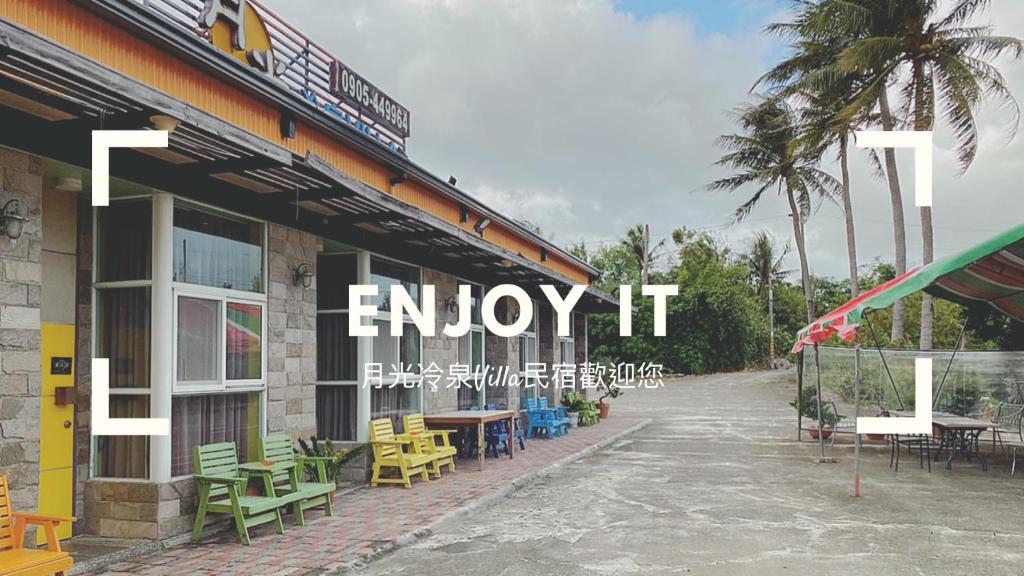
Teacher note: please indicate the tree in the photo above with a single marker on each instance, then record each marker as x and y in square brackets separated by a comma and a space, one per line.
[638, 241]
[765, 263]
[810, 77]
[769, 154]
[936, 61]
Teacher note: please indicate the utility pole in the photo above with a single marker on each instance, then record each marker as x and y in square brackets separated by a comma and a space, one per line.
[771, 326]
[645, 269]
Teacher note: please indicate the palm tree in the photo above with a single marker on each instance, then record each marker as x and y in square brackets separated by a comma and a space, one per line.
[935, 61]
[636, 243]
[809, 76]
[769, 154]
[765, 263]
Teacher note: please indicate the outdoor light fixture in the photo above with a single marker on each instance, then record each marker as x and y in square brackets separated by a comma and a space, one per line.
[452, 180]
[69, 184]
[481, 225]
[543, 254]
[451, 304]
[303, 276]
[402, 177]
[463, 213]
[506, 263]
[287, 125]
[164, 122]
[11, 220]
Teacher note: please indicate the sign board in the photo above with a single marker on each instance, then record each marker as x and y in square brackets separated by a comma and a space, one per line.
[235, 27]
[354, 90]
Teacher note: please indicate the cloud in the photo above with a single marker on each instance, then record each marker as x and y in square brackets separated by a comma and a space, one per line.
[586, 120]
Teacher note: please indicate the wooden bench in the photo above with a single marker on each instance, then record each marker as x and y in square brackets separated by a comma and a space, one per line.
[17, 560]
[217, 476]
[288, 484]
[389, 452]
[426, 442]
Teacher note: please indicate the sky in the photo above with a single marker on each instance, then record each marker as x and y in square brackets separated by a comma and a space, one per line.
[586, 117]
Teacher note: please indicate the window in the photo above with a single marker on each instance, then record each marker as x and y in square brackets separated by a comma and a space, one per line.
[217, 250]
[471, 353]
[568, 343]
[122, 283]
[219, 301]
[336, 350]
[528, 353]
[395, 353]
[214, 418]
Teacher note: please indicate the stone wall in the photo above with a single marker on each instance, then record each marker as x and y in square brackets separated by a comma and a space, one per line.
[440, 349]
[126, 509]
[20, 294]
[291, 354]
[83, 352]
[550, 352]
[498, 354]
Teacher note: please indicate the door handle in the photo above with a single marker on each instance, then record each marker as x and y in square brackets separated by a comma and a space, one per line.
[67, 424]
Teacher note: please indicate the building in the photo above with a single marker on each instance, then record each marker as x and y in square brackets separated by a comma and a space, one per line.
[216, 280]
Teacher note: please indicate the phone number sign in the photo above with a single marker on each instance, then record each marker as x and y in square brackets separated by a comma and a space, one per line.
[355, 91]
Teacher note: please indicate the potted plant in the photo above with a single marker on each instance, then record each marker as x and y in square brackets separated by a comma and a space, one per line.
[607, 391]
[317, 448]
[572, 401]
[807, 405]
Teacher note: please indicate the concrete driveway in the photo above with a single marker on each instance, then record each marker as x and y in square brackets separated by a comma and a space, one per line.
[718, 484]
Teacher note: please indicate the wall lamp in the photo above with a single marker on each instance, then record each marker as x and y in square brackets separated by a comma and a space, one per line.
[164, 122]
[11, 220]
[303, 276]
[451, 304]
[481, 225]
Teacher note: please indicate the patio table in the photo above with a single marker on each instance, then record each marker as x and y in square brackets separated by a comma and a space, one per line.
[957, 434]
[267, 471]
[478, 418]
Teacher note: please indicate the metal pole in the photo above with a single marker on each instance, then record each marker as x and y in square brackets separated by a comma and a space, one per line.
[856, 414]
[821, 415]
[771, 325]
[799, 395]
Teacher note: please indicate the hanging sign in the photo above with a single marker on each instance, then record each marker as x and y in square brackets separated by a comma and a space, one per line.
[355, 91]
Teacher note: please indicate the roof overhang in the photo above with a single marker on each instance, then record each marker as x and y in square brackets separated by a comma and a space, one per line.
[211, 161]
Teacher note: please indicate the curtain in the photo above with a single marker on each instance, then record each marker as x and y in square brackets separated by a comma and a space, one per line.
[124, 251]
[124, 456]
[124, 335]
[336, 350]
[197, 420]
[336, 412]
[392, 402]
[217, 251]
[198, 334]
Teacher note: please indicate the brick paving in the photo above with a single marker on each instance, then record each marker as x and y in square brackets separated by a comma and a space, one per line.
[366, 520]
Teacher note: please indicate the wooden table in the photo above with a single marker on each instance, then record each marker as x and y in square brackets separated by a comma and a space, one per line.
[266, 472]
[478, 418]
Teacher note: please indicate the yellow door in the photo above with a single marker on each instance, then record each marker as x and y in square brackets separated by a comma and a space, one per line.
[57, 330]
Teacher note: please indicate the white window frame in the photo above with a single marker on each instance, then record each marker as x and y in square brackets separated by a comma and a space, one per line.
[479, 329]
[223, 297]
[525, 338]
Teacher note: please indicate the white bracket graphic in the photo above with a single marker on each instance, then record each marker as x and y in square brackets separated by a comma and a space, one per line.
[921, 142]
[102, 424]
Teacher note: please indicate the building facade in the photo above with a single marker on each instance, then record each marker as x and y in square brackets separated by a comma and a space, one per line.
[216, 281]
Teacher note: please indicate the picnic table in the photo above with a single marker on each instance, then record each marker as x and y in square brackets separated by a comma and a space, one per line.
[478, 418]
[957, 434]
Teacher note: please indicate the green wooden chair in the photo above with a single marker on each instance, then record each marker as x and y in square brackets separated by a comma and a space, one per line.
[221, 490]
[304, 495]
[589, 414]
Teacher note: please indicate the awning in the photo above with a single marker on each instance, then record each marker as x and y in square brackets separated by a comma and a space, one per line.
[991, 272]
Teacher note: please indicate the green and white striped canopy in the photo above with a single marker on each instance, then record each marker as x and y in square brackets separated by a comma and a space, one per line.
[991, 272]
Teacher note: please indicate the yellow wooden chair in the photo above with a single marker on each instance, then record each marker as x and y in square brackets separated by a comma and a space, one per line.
[388, 452]
[17, 560]
[427, 442]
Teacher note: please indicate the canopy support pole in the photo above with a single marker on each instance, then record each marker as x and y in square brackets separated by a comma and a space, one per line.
[821, 415]
[942, 383]
[799, 394]
[856, 415]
